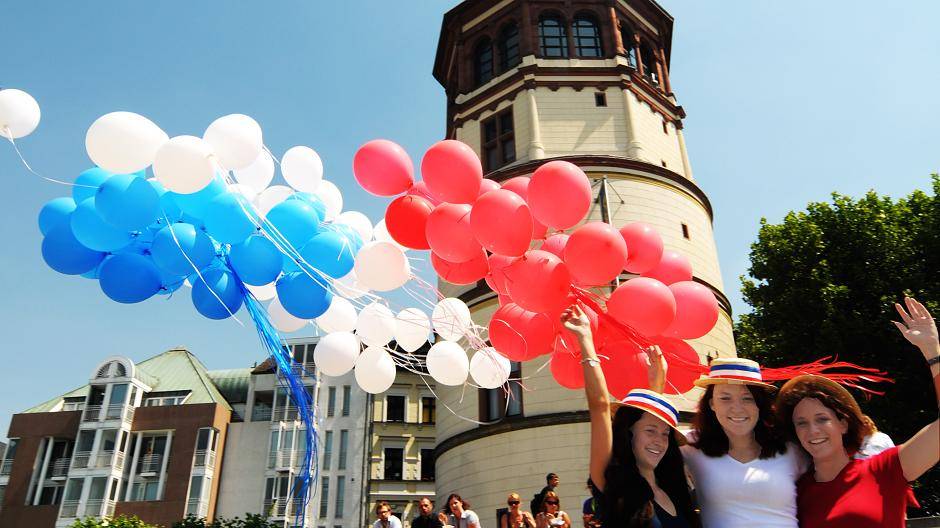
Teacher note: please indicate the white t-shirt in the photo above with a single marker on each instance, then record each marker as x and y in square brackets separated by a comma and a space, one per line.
[736, 495]
[874, 444]
[468, 518]
[393, 522]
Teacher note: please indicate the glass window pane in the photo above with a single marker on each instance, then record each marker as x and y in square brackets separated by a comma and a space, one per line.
[553, 39]
[509, 47]
[331, 401]
[483, 61]
[347, 394]
[509, 150]
[118, 394]
[489, 131]
[396, 408]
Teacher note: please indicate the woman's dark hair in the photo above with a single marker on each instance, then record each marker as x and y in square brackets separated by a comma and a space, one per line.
[452, 496]
[835, 398]
[712, 439]
[627, 500]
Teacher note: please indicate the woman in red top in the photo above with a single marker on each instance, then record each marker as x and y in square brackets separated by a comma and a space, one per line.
[839, 491]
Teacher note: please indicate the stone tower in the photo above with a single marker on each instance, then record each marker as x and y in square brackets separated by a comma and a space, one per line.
[586, 81]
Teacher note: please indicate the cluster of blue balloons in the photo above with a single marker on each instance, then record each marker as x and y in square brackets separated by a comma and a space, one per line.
[139, 240]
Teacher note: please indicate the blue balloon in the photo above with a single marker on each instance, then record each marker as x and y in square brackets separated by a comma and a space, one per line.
[55, 213]
[331, 252]
[93, 232]
[350, 234]
[302, 296]
[173, 244]
[257, 261]
[312, 200]
[129, 278]
[195, 204]
[229, 218]
[65, 254]
[216, 285]
[128, 202]
[290, 264]
[294, 220]
[86, 185]
[169, 209]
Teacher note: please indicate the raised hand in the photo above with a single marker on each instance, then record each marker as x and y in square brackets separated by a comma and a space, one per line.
[576, 321]
[656, 373]
[918, 326]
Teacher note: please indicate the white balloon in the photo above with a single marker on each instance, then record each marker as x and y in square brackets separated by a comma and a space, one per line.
[236, 140]
[349, 287]
[376, 325]
[339, 317]
[489, 368]
[259, 174]
[451, 319]
[125, 142]
[244, 190]
[336, 353]
[331, 197]
[447, 363]
[358, 221]
[19, 113]
[268, 198]
[302, 168]
[381, 266]
[184, 164]
[380, 234]
[375, 370]
[265, 292]
[282, 320]
[412, 328]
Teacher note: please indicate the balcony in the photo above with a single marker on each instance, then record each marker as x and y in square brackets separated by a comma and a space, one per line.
[280, 508]
[104, 459]
[197, 507]
[119, 412]
[285, 414]
[60, 469]
[307, 369]
[283, 458]
[149, 465]
[6, 467]
[92, 413]
[204, 458]
[69, 509]
[81, 459]
[93, 507]
[260, 414]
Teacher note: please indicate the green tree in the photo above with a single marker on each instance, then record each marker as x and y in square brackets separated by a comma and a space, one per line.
[251, 520]
[823, 283]
[121, 521]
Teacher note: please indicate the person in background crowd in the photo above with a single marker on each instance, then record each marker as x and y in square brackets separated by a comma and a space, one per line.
[552, 516]
[386, 519]
[457, 513]
[516, 517]
[840, 491]
[589, 510]
[875, 442]
[551, 482]
[426, 517]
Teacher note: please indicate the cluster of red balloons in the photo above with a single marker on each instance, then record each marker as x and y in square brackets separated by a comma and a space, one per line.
[512, 235]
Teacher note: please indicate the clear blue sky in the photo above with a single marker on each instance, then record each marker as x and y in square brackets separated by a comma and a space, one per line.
[786, 103]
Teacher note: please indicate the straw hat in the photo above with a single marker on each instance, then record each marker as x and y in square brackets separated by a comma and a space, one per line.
[655, 404]
[734, 371]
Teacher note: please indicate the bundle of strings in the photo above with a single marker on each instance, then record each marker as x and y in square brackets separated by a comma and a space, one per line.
[292, 382]
[841, 372]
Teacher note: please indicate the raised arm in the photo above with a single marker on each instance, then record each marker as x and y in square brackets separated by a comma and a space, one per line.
[595, 389]
[922, 451]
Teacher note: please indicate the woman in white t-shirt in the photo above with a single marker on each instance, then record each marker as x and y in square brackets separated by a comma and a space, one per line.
[744, 474]
[457, 513]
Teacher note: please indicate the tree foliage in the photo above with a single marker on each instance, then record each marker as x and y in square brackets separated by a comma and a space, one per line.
[251, 520]
[824, 282]
[121, 521]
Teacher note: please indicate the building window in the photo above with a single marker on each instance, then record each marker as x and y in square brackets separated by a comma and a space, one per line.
[159, 399]
[327, 449]
[340, 492]
[343, 448]
[427, 464]
[649, 64]
[553, 38]
[483, 61]
[600, 99]
[626, 36]
[324, 496]
[428, 410]
[685, 231]
[663, 163]
[509, 47]
[499, 145]
[494, 403]
[347, 394]
[331, 401]
[7, 466]
[394, 462]
[394, 408]
[587, 37]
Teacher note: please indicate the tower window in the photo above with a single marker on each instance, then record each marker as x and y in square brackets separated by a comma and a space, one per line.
[649, 64]
[483, 61]
[685, 231]
[587, 37]
[499, 145]
[665, 128]
[626, 35]
[493, 402]
[553, 38]
[509, 47]
[600, 99]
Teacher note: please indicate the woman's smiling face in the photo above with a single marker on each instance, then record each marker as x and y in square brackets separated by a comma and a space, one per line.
[818, 428]
[650, 440]
[735, 408]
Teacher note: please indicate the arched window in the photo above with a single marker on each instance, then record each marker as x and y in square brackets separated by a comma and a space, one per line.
[104, 371]
[119, 370]
[587, 36]
[553, 38]
[626, 36]
[483, 61]
[649, 63]
[509, 47]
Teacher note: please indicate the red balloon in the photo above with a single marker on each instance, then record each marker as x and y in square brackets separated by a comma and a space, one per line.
[520, 186]
[503, 299]
[672, 267]
[461, 273]
[555, 244]
[539, 281]
[567, 370]
[679, 378]
[452, 172]
[644, 245]
[626, 369]
[421, 189]
[595, 254]
[645, 304]
[559, 194]
[487, 185]
[383, 168]
[496, 277]
[449, 234]
[566, 342]
[502, 223]
[406, 220]
[696, 310]
[520, 335]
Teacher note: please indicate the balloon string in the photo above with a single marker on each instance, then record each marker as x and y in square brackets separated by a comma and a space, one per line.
[9, 135]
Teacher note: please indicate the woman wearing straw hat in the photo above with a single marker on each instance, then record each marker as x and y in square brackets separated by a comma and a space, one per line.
[635, 462]
[840, 491]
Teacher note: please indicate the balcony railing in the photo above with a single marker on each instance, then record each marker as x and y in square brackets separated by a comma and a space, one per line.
[80, 459]
[119, 458]
[92, 413]
[104, 459]
[260, 414]
[150, 464]
[197, 507]
[279, 508]
[93, 507]
[60, 468]
[69, 509]
[285, 414]
[304, 369]
[6, 467]
[283, 458]
[204, 458]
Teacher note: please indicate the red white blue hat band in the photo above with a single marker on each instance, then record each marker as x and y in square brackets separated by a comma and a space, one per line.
[653, 403]
[733, 370]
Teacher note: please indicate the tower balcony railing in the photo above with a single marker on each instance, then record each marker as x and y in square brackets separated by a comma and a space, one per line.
[60, 468]
[204, 458]
[7, 467]
[92, 413]
[69, 509]
[81, 459]
[150, 464]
